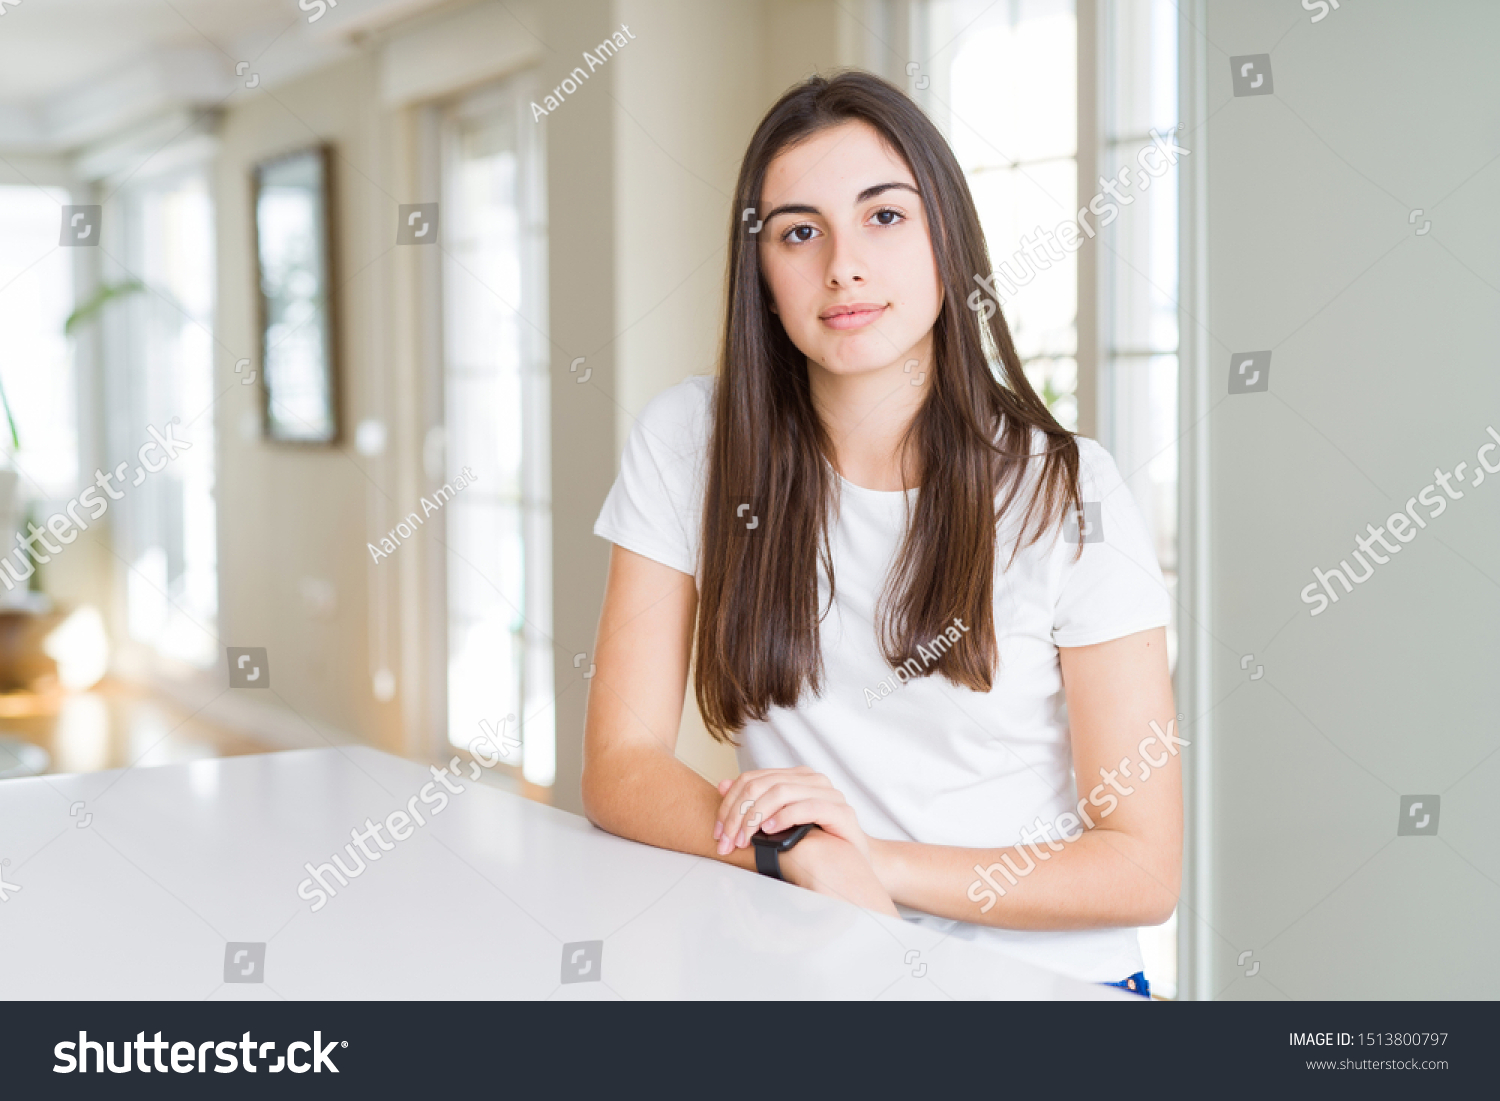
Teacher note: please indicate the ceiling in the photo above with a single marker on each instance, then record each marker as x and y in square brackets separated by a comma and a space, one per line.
[75, 71]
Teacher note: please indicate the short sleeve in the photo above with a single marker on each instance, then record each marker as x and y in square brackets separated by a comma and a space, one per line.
[656, 503]
[1115, 588]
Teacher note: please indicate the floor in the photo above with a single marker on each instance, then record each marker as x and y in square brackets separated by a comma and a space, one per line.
[118, 725]
[113, 726]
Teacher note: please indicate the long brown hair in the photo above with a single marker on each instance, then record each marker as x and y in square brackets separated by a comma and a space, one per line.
[769, 487]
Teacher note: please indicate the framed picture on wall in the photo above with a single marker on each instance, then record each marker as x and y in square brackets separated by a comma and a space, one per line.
[294, 279]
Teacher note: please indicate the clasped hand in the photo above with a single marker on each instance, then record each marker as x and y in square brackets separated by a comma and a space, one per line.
[774, 799]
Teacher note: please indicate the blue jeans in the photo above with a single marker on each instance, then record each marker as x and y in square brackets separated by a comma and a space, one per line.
[1136, 984]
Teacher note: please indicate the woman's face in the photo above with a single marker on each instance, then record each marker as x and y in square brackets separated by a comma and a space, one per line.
[846, 253]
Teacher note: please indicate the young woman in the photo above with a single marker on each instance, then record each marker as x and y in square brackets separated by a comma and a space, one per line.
[931, 615]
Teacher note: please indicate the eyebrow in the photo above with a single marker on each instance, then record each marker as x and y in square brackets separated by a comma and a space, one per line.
[864, 196]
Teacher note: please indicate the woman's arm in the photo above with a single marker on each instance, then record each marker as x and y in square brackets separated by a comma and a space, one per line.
[1123, 870]
[633, 784]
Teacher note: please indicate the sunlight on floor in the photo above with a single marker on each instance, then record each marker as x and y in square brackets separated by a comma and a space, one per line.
[114, 726]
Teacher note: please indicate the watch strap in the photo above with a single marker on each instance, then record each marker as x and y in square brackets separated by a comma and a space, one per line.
[766, 861]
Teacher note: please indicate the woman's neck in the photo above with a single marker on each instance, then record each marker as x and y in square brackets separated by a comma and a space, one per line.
[866, 413]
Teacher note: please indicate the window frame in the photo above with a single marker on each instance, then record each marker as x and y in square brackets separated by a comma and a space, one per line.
[513, 92]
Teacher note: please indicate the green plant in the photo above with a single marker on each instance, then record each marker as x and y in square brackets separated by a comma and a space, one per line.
[15, 440]
[106, 293]
[81, 316]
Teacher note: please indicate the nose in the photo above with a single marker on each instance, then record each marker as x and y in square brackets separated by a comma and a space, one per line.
[846, 263]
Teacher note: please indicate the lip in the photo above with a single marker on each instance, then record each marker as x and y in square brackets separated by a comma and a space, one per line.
[851, 315]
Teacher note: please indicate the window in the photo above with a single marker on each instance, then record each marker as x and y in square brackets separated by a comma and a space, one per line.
[1138, 379]
[496, 401]
[1137, 409]
[1009, 108]
[167, 533]
[36, 368]
[1006, 89]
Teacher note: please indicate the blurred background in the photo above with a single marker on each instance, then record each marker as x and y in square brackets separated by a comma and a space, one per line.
[400, 308]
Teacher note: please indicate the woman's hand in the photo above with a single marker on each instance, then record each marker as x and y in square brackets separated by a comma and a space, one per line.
[829, 865]
[774, 799]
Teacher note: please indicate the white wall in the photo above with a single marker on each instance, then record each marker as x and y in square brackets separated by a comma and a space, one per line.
[1383, 369]
[684, 115]
[289, 513]
[690, 91]
[640, 162]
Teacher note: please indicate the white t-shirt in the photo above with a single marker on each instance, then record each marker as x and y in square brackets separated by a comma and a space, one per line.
[925, 761]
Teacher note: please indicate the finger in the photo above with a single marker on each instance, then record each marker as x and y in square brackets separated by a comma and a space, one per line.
[838, 819]
[729, 791]
[769, 801]
[737, 807]
[726, 817]
[747, 815]
[734, 809]
[723, 786]
[796, 813]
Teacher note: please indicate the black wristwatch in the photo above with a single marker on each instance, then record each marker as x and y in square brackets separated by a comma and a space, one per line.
[770, 846]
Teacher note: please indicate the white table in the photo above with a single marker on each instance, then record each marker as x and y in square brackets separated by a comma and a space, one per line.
[138, 893]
